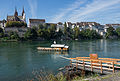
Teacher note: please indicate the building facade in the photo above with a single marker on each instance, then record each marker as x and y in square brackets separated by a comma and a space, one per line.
[115, 26]
[60, 25]
[3, 24]
[35, 22]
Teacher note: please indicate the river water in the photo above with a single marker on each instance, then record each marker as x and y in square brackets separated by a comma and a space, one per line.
[19, 59]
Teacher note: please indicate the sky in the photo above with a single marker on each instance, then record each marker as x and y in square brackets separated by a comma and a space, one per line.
[53, 11]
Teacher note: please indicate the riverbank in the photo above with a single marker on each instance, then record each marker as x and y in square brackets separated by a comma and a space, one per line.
[91, 77]
[8, 40]
[110, 77]
[14, 40]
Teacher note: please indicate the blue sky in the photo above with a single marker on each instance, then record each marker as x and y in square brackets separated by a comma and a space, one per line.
[101, 11]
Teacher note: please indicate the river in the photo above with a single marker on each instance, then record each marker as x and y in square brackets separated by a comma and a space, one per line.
[19, 59]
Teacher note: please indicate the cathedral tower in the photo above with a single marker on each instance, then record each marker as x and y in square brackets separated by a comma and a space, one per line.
[16, 13]
[23, 15]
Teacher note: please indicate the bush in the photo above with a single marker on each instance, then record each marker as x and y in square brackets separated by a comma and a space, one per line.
[1, 33]
[5, 38]
[30, 34]
[13, 35]
[47, 76]
[118, 31]
[111, 33]
[89, 34]
[16, 24]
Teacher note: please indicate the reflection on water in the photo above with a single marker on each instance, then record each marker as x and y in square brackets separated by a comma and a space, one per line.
[19, 59]
[61, 52]
[55, 52]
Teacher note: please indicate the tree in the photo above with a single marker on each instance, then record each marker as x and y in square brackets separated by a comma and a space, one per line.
[16, 24]
[1, 30]
[41, 26]
[51, 32]
[67, 31]
[13, 35]
[53, 27]
[30, 34]
[89, 34]
[41, 33]
[110, 32]
[60, 33]
[118, 31]
[77, 32]
[1, 33]
[45, 26]
[65, 28]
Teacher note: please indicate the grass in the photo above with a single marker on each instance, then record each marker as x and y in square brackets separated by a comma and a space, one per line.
[49, 76]
[46, 76]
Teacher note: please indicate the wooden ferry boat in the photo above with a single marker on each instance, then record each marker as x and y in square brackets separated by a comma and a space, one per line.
[55, 47]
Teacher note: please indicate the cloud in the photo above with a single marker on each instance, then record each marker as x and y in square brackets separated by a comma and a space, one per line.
[93, 10]
[58, 17]
[94, 7]
[33, 7]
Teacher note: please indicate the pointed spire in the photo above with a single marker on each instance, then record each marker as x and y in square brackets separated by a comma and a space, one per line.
[23, 11]
[15, 9]
[16, 13]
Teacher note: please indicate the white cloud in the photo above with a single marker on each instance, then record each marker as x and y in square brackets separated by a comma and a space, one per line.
[58, 17]
[33, 8]
[88, 10]
[96, 6]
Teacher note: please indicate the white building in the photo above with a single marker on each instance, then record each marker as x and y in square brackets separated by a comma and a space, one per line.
[3, 24]
[69, 24]
[60, 25]
[115, 26]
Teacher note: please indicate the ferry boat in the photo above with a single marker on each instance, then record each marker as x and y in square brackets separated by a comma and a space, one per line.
[55, 47]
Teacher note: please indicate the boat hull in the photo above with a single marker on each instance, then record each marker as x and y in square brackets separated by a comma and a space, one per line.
[52, 49]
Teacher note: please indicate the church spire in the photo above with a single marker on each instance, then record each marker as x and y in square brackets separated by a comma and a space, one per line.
[16, 13]
[23, 11]
[23, 15]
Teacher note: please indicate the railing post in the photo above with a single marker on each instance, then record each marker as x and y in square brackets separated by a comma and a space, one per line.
[71, 62]
[101, 67]
[76, 64]
[83, 64]
[91, 65]
[113, 67]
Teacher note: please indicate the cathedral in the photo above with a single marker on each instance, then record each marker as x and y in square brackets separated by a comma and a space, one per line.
[17, 17]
